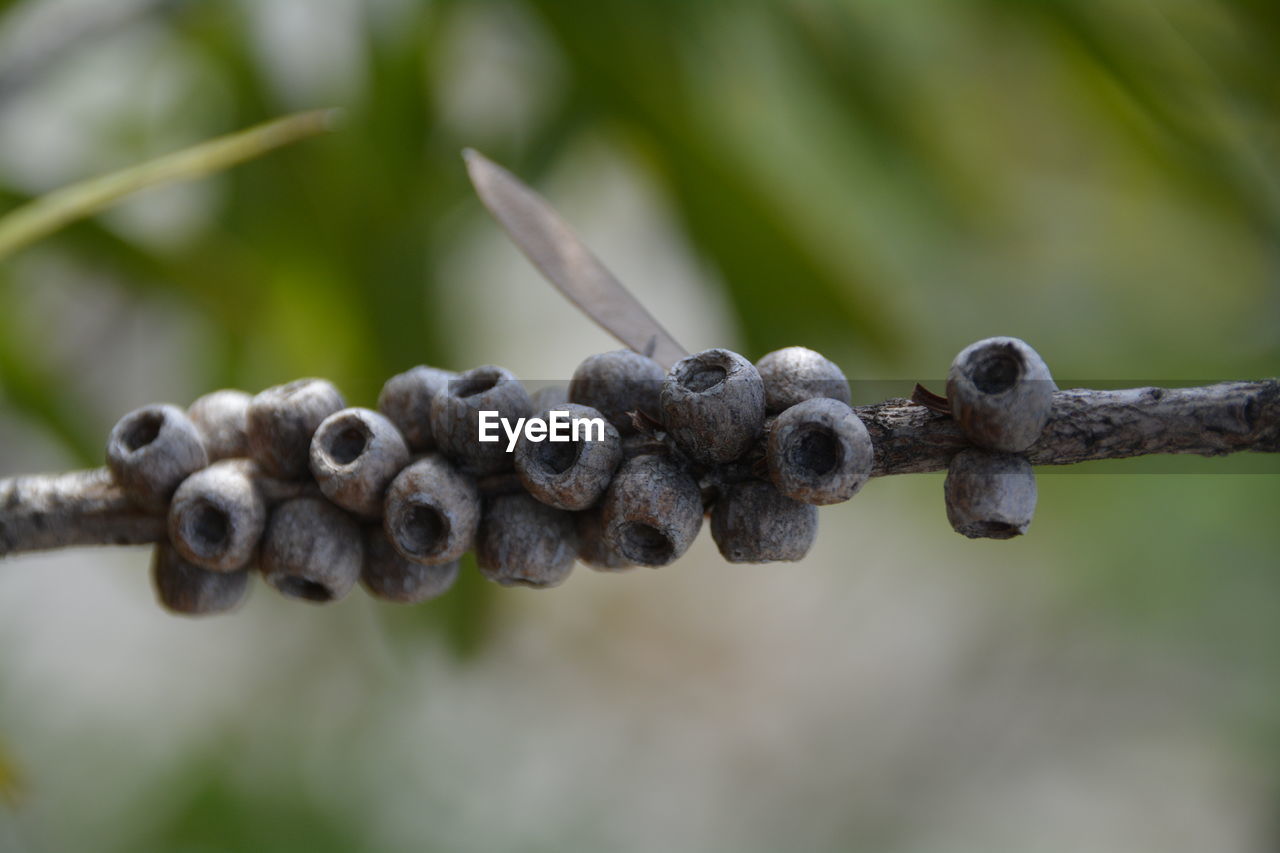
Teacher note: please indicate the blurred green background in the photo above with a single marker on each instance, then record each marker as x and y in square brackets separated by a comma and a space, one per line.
[884, 182]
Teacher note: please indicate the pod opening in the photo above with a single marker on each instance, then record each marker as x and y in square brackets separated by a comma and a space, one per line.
[142, 430]
[644, 543]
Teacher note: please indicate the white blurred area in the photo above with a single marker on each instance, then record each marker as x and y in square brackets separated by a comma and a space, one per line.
[901, 686]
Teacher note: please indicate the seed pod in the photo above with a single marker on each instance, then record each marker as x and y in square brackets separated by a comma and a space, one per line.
[406, 400]
[618, 383]
[753, 522]
[432, 511]
[311, 550]
[283, 419]
[185, 588]
[652, 511]
[153, 449]
[523, 542]
[795, 374]
[990, 495]
[455, 418]
[1001, 394]
[222, 418]
[713, 405]
[548, 397]
[355, 454]
[216, 516]
[819, 452]
[391, 577]
[571, 474]
[593, 550]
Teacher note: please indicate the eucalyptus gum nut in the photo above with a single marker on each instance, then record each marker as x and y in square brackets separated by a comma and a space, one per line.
[593, 550]
[222, 419]
[282, 420]
[819, 452]
[184, 588]
[391, 577]
[1001, 394]
[990, 495]
[753, 522]
[524, 542]
[406, 399]
[151, 450]
[713, 405]
[311, 550]
[548, 397]
[652, 511]
[431, 511]
[455, 417]
[217, 516]
[618, 383]
[795, 374]
[569, 475]
[355, 454]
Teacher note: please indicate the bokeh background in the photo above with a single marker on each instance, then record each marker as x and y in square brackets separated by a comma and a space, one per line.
[884, 182]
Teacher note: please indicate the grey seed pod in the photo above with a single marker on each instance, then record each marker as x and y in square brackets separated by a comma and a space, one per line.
[713, 405]
[455, 417]
[572, 474]
[222, 418]
[432, 511]
[216, 516]
[548, 397]
[523, 542]
[618, 383]
[153, 449]
[311, 550]
[406, 400]
[652, 511]
[753, 522]
[282, 420]
[355, 454]
[819, 452]
[593, 550]
[795, 374]
[185, 588]
[1001, 394]
[391, 577]
[990, 495]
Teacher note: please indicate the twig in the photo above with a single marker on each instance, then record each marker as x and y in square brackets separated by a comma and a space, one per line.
[86, 508]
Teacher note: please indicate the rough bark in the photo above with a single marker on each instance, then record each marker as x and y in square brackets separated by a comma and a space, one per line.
[87, 508]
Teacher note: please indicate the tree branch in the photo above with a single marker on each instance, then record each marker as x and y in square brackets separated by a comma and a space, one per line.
[86, 508]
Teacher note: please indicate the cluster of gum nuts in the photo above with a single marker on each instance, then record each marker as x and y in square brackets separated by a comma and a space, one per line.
[317, 496]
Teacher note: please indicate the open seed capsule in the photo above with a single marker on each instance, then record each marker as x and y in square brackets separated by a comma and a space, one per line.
[713, 405]
[281, 421]
[222, 418]
[311, 550]
[524, 542]
[391, 577]
[570, 474]
[1001, 394]
[152, 450]
[406, 399]
[431, 512]
[753, 522]
[990, 495]
[185, 588]
[355, 454]
[217, 516]
[652, 511]
[795, 374]
[455, 417]
[819, 452]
